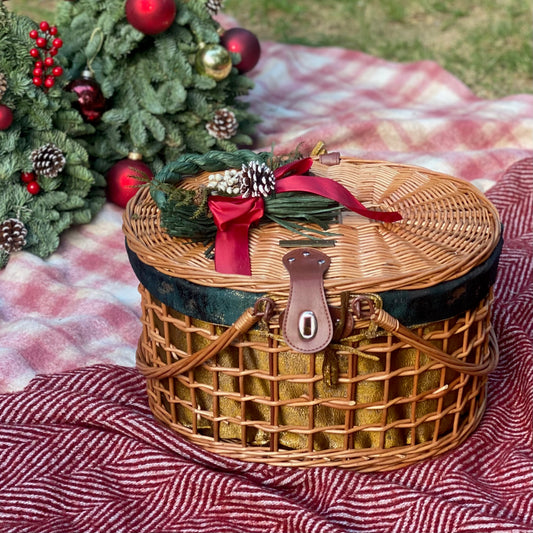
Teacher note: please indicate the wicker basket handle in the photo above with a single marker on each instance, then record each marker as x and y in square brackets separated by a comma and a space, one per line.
[392, 325]
[252, 315]
[263, 309]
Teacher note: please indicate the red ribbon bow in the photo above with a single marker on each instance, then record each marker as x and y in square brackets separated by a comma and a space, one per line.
[233, 216]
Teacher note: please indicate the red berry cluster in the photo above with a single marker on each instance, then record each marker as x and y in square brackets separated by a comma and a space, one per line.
[48, 44]
[31, 183]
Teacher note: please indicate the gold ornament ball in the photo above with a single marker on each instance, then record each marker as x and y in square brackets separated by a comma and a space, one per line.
[214, 60]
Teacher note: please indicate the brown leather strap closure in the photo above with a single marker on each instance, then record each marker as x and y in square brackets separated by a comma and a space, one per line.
[307, 325]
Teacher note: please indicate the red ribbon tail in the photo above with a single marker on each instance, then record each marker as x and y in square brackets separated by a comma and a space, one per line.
[233, 218]
[231, 251]
[333, 190]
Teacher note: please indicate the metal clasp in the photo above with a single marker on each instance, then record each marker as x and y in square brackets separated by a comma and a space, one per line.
[307, 325]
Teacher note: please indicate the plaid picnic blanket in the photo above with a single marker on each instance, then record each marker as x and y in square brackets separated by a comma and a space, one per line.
[79, 448]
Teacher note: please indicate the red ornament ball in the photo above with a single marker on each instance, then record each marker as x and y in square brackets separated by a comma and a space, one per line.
[6, 117]
[124, 178]
[91, 101]
[33, 187]
[245, 43]
[27, 177]
[151, 16]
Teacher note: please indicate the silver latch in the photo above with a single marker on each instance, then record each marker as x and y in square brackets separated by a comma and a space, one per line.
[307, 325]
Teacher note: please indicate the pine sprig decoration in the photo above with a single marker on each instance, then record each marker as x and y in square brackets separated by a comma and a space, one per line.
[186, 214]
[224, 124]
[183, 216]
[48, 160]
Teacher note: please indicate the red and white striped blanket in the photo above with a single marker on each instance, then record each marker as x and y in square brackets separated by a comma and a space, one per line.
[79, 449]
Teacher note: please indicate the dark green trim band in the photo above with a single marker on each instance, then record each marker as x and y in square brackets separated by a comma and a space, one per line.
[411, 307]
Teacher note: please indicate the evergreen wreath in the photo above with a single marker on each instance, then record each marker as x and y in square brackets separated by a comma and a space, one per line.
[46, 184]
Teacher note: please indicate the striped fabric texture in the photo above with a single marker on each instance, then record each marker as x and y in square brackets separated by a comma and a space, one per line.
[80, 451]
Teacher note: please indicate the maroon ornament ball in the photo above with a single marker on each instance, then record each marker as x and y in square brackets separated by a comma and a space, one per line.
[151, 16]
[91, 100]
[245, 43]
[6, 117]
[125, 177]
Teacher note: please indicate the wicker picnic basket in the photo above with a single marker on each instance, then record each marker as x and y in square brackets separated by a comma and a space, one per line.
[231, 360]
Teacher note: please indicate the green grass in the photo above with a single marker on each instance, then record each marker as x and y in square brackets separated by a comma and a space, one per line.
[485, 43]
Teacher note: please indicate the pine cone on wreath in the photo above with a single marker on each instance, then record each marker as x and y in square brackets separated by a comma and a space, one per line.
[257, 179]
[48, 160]
[12, 235]
[3, 85]
[224, 124]
[214, 6]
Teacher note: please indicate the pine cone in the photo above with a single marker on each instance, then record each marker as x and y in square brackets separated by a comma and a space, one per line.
[224, 125]
[257, 179]
[214, 6]
[12, 235]
[3, 85]
[48, 160]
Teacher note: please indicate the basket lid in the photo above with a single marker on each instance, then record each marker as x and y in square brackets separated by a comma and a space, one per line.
[447, 228]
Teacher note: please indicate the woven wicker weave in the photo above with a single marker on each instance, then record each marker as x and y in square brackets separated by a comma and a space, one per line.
[402, 394]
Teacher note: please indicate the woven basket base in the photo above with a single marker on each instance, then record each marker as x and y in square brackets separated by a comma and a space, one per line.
[260, 402]
[360, 460]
